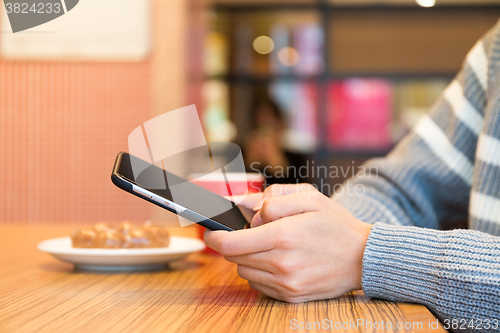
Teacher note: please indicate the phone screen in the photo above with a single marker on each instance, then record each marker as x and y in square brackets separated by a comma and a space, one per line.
[192, 196]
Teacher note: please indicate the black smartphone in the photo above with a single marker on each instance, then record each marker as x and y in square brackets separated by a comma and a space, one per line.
[193, 203]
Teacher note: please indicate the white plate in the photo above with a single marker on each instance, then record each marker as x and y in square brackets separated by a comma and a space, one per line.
[121, 259]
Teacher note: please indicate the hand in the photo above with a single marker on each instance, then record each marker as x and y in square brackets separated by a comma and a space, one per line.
[307, 247]
[254, 201]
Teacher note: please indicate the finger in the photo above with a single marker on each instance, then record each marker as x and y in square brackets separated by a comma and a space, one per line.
[276, 208]
[257, 275]
[256, 220]
[259, 260]
[249, 200]
[286, 189]
[282, 296]
[268, 291]
[210, 238]
[239, 242]
[283, 189]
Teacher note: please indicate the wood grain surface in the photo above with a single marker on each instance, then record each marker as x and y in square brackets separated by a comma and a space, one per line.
[202, 293]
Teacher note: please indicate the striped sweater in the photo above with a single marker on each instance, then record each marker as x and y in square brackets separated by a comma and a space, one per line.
[444, 175]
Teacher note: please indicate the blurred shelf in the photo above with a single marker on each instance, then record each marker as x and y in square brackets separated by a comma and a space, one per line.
[412, 7]
[252, 7]
[355, 153]
[256, 79]
[261, 2]
[394, 76]
[284, 3]
[439, 3]
[404, 42]
[345, 6]
[415, 51]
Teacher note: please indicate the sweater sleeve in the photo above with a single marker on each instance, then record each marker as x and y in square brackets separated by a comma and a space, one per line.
[456, 273]
[426, 180]
[423, 185]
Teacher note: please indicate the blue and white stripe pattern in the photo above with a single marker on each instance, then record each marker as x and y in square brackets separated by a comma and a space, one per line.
[442, 174]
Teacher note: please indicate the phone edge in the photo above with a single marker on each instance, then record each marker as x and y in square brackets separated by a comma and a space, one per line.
[128, 187]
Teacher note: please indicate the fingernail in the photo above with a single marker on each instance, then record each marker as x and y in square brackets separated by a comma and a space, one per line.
[256, 220]
[258, 206]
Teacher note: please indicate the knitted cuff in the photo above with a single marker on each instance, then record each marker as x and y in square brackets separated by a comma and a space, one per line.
[399, 263]
[453, 272]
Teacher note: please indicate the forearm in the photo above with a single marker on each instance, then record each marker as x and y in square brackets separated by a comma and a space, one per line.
[455, 273]
[410, 186]
[381, 202]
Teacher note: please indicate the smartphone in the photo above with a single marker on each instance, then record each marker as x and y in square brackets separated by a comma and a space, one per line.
[194, 203]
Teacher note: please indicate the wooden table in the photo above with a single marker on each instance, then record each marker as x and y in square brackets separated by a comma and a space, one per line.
[202, 293]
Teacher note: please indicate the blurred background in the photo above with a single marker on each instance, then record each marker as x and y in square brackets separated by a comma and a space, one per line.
[294, 83]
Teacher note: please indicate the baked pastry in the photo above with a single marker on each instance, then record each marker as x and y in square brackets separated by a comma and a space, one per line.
[126, 235]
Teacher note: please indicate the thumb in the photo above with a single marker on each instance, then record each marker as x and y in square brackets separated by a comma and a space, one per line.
[277, 190]
[279, 207]
[256, 220]
[249, 200]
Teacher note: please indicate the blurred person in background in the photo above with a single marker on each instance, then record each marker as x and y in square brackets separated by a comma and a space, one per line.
[400, 239]
[263, 148]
